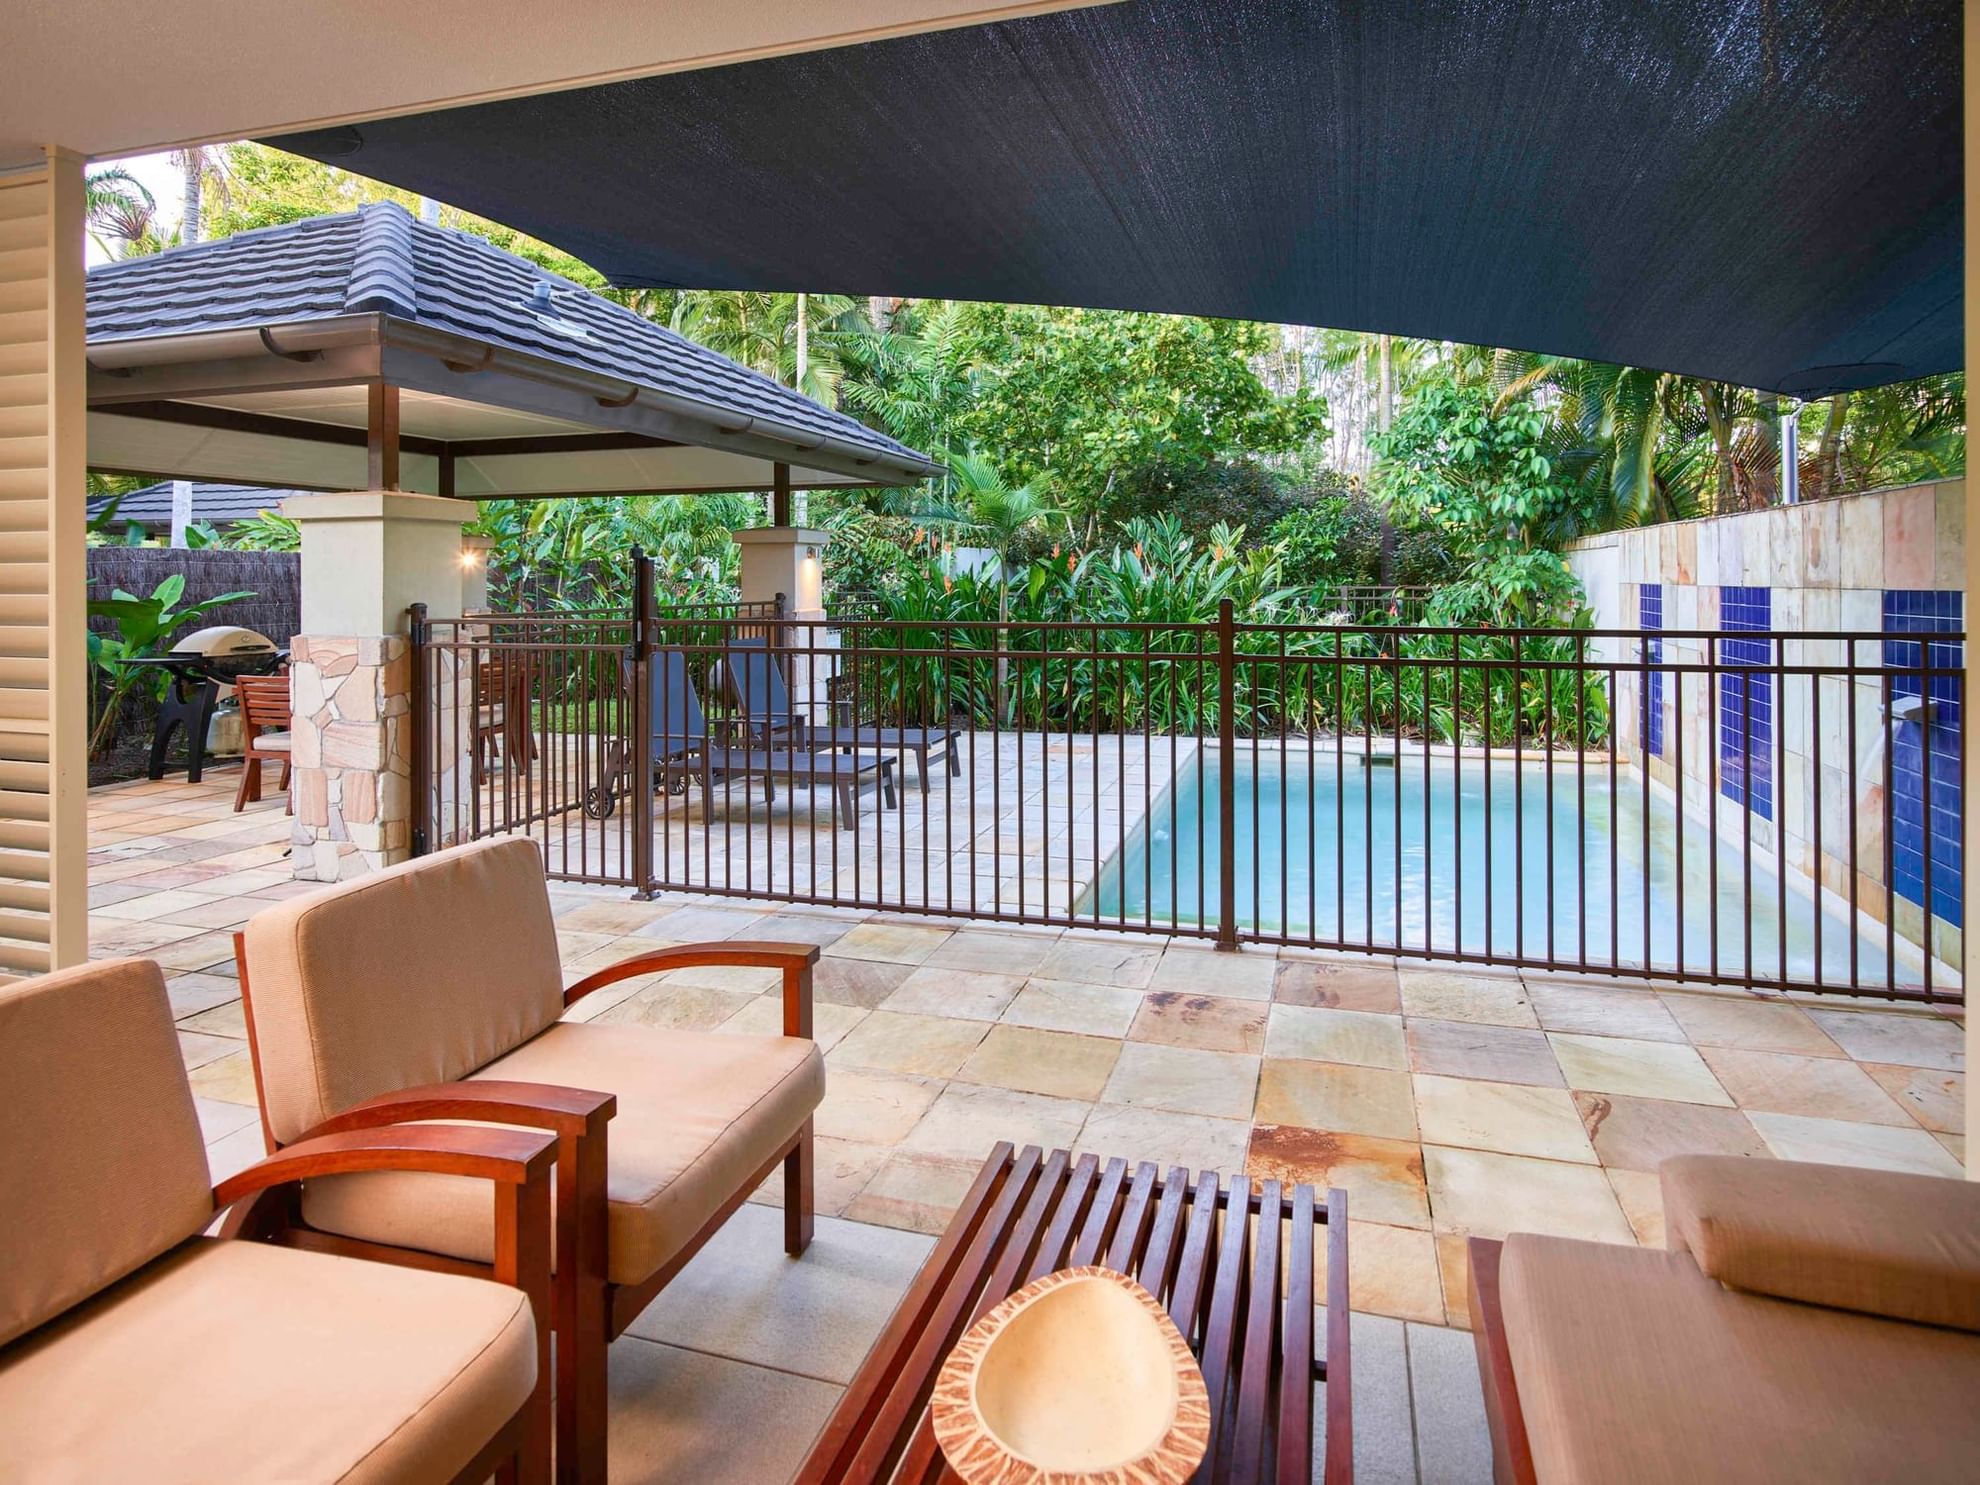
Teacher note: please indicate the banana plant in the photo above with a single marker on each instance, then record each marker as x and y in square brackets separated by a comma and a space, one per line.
[144, 625]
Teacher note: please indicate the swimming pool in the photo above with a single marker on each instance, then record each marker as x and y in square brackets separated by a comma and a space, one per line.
[1475, 859]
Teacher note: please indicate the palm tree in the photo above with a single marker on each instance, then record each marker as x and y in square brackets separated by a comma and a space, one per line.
[119, 210]
[1000, 516]
[761, 332]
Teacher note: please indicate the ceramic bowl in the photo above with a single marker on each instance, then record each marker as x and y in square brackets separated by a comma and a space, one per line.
[1077, 1379]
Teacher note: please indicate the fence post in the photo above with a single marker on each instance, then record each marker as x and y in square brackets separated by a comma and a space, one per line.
[1226, 776]
[424, 783]
[640, 743]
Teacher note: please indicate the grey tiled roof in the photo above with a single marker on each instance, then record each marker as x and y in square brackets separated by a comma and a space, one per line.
[217, 505]
[381, 259]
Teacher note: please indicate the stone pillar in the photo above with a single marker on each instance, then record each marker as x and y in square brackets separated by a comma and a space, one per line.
[366, 558]
[787, 560]
[474, 573]
[790, 560]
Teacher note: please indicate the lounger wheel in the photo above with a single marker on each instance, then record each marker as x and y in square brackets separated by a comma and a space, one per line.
[599, 802]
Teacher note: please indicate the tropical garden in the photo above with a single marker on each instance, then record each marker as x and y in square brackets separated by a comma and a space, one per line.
[1117, 468]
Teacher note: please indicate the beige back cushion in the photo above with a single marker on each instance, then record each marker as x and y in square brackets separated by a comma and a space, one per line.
[1884, 1242]
[101, 1163]
[416, 974]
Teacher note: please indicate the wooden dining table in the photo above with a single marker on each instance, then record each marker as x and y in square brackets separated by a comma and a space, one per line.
[1232, 1259]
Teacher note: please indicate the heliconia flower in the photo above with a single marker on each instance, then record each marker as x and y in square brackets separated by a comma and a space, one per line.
[1137, 550]
[1055, 549]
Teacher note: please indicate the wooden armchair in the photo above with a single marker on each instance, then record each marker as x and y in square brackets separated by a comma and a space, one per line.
[265, 735]
[433, 990]
[132, 1347]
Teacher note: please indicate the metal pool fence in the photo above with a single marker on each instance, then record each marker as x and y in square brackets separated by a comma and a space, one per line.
[1767, 809]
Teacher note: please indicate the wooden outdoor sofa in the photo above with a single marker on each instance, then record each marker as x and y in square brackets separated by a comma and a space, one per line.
[1806, 1323]
[434, 990]
[134, 1348]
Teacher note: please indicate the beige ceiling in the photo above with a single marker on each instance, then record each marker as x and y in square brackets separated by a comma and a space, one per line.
[119, 77]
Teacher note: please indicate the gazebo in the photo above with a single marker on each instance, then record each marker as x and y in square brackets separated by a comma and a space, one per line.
[421, 369]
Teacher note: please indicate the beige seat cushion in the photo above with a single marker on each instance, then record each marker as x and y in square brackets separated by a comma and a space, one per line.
[238, 1361]
[101, 1163]
[1882, 1242]
[699, 1113]
[272, 742]
[417, 974]
[1633, 1366]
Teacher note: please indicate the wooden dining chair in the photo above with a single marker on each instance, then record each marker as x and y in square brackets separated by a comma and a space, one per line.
[265, 735]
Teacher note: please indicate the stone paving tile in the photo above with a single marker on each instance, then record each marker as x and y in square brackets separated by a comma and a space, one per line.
[1184, 1080]
[742, 1298]
[1213, 1023]
[1001, 953]
[1337, 1096]
[1642, 1198]
[192, 993]
[764, 1016]
[973, 994]
[1391, 1271]
[673, 1006]
[1888, 1036]
[1313, 1034]
[674, 1417]
[700, 925]
[1246, 976]
[1824, 1087]
[893, 942]
[1501, 1054]
[1492, 1000]
[1837, 1142]
[1454, 1269]
[862, 982]
[1610, 1012]
[1936, 1100]
[1058, 1063]
[1753, 1024]
[967, 1120]
[1196, 1142]
[1453, 1441]
[1337, 986]
[1488, 1195]
[1094, 961]
[1382, 1177]
[1640, 1133]
[875, 1108]
[230, 1079]
[1602, 1064]
[1509, 1117]
[932, 1046]
[1057, 1005]
[918, 1192]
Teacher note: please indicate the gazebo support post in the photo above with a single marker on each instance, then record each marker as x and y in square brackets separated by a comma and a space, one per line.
[787, 562]
[366, 558]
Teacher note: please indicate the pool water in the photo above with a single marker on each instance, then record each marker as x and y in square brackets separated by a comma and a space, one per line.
[1490, 859]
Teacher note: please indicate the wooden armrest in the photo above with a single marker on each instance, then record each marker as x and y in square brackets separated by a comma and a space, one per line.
[509, 1157]
[795, 960]
[567, 1111]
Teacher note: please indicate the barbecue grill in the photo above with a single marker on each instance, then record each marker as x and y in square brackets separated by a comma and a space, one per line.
[203, 668]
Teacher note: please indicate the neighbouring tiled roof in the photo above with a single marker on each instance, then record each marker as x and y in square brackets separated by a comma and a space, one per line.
[217, 505]
[381, 259]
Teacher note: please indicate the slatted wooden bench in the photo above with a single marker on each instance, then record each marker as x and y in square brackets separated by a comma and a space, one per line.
[1240, 1290]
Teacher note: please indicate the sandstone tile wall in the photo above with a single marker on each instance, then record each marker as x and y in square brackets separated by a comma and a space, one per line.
[1827, 564]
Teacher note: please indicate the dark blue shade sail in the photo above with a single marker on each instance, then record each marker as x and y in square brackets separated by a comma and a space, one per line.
[1766, 192]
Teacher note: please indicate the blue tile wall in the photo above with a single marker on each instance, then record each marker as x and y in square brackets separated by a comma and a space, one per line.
[1650, 615]
[1925, 752]
[1746, 702]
